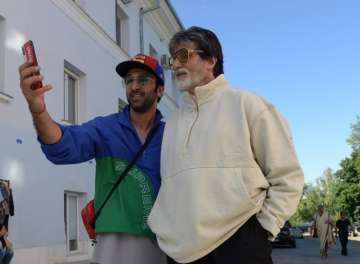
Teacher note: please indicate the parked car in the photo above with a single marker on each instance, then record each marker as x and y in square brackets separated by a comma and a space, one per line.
[284, 238]
[306, 228]
[355, 232]
[296, 232]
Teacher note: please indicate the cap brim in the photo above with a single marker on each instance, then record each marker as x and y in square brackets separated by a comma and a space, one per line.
[123, 68]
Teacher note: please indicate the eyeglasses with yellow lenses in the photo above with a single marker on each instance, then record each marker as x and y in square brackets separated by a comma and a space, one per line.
[183, 55]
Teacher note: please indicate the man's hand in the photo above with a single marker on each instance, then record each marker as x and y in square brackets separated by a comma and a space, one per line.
[3, 231]
[48, 131]
[30, 75]
[8, 243]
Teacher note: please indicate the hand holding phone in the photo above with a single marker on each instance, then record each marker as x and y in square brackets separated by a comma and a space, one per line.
[30, 56]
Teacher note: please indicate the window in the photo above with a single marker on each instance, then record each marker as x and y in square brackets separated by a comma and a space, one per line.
[121, 104]
[153, 52]
[2, 53]
[122, 28]
[71, 96]
[71, 216]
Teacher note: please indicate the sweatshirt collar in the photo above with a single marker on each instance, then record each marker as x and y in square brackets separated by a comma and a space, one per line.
[205, 92]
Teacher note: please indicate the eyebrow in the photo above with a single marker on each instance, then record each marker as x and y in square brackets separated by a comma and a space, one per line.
[149, 75]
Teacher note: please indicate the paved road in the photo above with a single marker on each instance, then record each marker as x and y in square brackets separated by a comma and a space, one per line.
[307, 252]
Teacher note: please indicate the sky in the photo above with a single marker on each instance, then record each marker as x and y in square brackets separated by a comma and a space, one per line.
[301, 55]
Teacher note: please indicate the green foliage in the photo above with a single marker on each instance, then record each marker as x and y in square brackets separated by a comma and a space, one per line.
[310, 200]
[339, 191]
[348, 190]
[354, 139]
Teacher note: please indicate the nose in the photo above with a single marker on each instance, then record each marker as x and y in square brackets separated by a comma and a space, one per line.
[176, 64]
[135, 85]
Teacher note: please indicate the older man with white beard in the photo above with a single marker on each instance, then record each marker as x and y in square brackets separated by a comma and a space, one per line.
[230, 175]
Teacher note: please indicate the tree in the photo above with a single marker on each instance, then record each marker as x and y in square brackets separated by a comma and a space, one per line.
[308, 205]
[328, 185]
[339, 191]
[323, 192]
[354, 139]
[348, 190]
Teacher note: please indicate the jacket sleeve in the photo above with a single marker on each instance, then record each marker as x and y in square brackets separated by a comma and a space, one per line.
[77, 144]
[274, 152]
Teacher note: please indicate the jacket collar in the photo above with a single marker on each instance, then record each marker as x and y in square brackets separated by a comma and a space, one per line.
[205, 92]
[124, 117]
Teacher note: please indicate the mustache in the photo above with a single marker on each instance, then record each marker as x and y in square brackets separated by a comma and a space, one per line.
[133, 93]
[182, 71]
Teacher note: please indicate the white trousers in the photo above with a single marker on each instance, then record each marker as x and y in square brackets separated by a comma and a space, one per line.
[119, 248]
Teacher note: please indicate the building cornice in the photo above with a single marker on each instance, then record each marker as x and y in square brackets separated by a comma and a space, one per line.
[88, 25]
[173, 12]
[164, 21]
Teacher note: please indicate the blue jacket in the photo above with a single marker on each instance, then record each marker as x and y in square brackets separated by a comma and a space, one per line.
[113, 142]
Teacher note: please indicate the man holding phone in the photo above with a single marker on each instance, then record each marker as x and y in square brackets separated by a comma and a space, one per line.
[123, 235]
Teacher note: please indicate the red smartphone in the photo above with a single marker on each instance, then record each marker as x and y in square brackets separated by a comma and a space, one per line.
[29, 54]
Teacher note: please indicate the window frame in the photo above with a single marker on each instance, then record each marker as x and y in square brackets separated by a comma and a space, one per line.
[153, 52]
[76, 77]
[2, 57]
[67, 195]
[121, 28]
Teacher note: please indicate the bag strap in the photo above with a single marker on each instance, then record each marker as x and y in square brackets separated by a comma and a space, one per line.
[125, 172]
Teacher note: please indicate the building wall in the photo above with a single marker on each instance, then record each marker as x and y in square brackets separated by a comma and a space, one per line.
[63, 34]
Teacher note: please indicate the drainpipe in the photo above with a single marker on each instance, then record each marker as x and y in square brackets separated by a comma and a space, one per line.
[141, 22]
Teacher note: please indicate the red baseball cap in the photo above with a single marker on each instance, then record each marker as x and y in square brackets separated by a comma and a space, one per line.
[141, 61]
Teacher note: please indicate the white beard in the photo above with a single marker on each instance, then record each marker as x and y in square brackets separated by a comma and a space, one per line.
[183, 84]
[186, 82]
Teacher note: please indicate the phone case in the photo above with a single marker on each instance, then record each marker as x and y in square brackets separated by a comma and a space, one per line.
[29, 54]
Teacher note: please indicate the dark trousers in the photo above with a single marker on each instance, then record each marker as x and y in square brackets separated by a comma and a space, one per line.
[343, 240]
[249, 245]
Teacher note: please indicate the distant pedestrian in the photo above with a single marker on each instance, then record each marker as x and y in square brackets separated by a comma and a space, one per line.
[6, 210]
[342, 226]
[324, 225]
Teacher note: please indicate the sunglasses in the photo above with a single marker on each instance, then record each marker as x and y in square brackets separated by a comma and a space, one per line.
[183, 55]
[142, 80]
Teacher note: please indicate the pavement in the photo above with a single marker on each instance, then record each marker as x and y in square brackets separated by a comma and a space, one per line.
[307, 251]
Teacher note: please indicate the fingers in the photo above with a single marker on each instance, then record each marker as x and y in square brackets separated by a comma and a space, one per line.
[24, 66]
[29, 75]
[44, 89]
[39, 91]
[26, 83]
[28, 71]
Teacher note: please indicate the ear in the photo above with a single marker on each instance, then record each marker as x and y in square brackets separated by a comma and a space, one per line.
[160, 91]
[212, 62]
